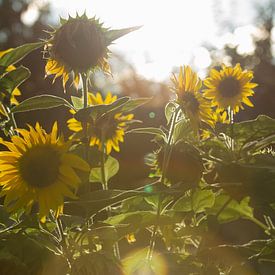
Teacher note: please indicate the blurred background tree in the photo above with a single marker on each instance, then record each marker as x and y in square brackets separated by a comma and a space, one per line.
[260, 60]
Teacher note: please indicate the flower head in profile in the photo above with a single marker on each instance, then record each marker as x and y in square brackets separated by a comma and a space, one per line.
[230, 87]
[107, 130]
[79, 45]
[37, 168]
[8, 99]
[187, 87]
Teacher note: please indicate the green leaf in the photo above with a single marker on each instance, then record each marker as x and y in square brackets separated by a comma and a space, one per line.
[232, 211]
[169, 110]
[16, 54]
[183, 131]
[77, 102]
[139, 219]
[202, 199]
[155, 200]
[93, 202]
[134, 103]
[183, 204]
[96, 111]
[149, 130]
[199, 201]
[14, 78]
[41, 102]
[111, 168]
[251, 130]
[112, 35]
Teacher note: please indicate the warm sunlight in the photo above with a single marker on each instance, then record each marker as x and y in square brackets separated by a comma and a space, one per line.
[171, 34]
[137, 137]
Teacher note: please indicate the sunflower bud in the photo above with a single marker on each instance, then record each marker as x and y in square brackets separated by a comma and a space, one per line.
[185, 164]
[79, 44]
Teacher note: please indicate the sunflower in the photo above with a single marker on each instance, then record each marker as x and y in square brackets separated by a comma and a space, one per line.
[230, 87]
[78, 46]
[16, 92]
[109, 131]
[38, 168]
[187, 88]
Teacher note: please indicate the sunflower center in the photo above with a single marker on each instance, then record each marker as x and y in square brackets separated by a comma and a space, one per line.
[191, 103]
[79, 44]
[39, 167]
[229, 87]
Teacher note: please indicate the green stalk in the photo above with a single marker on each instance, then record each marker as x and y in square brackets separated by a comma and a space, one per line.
[85, 83]
[166, 159]
[63, 243]
[10, 115]
[105, 186]
[231, 121]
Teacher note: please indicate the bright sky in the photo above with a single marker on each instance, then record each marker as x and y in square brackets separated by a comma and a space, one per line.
[172, 33]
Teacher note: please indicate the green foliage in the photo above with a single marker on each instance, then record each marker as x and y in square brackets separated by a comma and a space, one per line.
[17, 54]
[111, 167]
[112, 35]
[41, 102]
[14, 78]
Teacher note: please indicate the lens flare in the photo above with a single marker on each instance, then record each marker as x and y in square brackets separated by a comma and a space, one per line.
[135, 263]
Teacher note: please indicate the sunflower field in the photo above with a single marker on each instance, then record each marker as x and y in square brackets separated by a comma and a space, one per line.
[209, 175]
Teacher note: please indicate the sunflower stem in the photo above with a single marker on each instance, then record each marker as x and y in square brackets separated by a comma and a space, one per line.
[166, 159]
[231, 121]
[85, 83]
[105, 186]
[63, 243]
[10, 115]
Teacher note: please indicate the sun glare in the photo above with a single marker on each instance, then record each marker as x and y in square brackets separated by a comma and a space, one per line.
[171, 35]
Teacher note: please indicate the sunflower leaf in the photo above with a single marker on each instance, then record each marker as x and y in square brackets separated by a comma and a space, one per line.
[169, 110]
[111, 168]
[41, 102]
[77, 102]
[17, 54]
[96, 201]
[232, 211]
[135, 103]
[96, 111]
[149, 130]
[112, 35]
[14, 78]
[252, 130]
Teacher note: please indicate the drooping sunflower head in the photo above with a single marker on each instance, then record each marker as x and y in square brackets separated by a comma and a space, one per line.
[79, 45]
[106, 130]
[185, 164]
[230, 87]
[37, 168]
[187, 88]
[5, 98]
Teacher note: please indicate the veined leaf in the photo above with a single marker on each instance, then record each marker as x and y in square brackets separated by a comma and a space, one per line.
[111, 168]
[14, 78]
[134, 103]
[248, 131]
[169, 110]
[41, 102]
[77, 102]
[96, 111]
[149, 130]
[199, 201]
[96, 201]
[17, 54]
